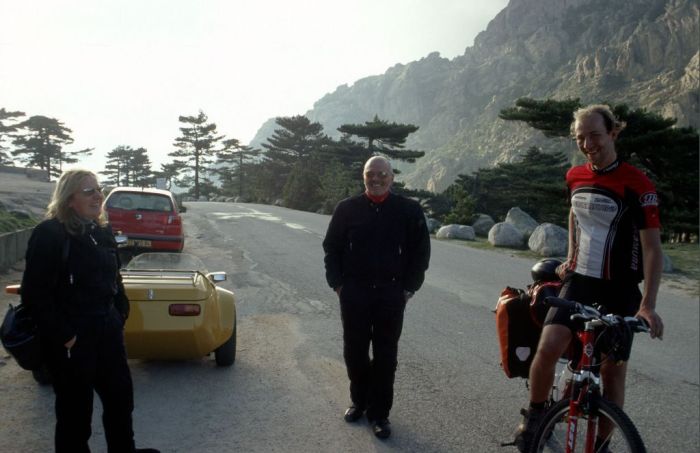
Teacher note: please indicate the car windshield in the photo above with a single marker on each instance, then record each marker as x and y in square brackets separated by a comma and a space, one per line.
[133, 201]
[166, 261]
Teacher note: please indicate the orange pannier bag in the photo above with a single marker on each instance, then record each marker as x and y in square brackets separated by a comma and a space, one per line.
[519, 318]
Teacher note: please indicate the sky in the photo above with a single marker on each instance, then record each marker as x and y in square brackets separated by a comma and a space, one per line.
[121, 72]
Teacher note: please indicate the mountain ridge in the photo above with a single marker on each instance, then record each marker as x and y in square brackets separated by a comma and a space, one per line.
[640, 52]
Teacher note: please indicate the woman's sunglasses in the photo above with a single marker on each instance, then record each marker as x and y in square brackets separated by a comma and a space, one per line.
[90, 191]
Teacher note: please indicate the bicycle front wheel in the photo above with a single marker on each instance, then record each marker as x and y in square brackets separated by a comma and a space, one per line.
[551, 436]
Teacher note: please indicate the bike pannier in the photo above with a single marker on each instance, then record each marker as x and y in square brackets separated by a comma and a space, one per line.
[519, 318]
[517, 333]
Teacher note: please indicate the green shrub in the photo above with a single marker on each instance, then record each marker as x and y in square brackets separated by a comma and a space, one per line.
[12, 222]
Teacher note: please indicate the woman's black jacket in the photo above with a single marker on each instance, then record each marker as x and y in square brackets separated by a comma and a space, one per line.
[71, 276]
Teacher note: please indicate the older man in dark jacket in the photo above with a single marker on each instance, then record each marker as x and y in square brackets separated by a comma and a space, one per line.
[377, 249]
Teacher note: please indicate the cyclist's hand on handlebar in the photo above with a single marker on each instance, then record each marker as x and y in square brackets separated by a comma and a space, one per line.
[656, 324]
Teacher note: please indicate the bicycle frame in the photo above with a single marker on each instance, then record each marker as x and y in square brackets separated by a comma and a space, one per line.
[586, 382]
[581, 392]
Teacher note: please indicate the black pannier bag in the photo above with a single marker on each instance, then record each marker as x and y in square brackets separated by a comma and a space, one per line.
[519, 318]
[20, 337]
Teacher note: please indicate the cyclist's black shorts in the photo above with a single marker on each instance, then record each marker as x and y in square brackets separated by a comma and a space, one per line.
[620, 298]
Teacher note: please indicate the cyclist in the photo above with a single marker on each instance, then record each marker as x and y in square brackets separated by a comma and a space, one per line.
[614, 243]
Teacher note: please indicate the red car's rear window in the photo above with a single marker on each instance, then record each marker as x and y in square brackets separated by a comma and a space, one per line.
[132, 201]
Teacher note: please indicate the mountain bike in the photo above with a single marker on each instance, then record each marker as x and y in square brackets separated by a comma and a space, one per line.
[573, 423]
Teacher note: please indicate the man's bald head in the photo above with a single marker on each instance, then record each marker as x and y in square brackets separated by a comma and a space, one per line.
[378, 175]
[379, 161]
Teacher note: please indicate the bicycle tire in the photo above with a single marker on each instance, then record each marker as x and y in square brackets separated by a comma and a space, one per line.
[551, 433]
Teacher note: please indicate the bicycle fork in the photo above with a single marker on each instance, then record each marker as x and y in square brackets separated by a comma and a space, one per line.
[585, 383]
[577, 407]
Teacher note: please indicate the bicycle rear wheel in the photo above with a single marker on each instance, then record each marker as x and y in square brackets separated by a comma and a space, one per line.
[551, 434]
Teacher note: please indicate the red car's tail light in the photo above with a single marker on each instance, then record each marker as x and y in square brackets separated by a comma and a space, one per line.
[174, 220]
[184, 309]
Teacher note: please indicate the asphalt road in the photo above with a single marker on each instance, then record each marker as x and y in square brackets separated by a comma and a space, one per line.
[288, 388]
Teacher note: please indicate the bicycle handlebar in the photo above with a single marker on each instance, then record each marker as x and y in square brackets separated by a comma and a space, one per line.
[581, 311]
[587, 313]
[637, 324]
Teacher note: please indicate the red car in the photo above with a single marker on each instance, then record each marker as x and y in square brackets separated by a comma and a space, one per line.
[148, 217]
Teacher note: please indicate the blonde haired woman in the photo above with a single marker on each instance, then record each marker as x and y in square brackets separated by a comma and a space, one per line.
[72, 285]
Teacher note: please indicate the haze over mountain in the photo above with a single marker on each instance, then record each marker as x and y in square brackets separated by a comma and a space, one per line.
[640, 52]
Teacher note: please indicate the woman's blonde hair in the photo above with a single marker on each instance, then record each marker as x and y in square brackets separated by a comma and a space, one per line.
[66, 188]
[611, 122]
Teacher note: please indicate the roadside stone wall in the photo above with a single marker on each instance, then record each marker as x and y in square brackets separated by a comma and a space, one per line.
[13, 246]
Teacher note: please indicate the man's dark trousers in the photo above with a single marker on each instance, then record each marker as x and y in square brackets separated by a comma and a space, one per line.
[372, 314]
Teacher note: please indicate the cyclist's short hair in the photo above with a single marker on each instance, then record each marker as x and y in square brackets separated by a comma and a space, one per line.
[609, 119]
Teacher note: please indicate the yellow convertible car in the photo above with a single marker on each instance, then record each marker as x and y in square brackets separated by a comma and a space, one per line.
[177, 310]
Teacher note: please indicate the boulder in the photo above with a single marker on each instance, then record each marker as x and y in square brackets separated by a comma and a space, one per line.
[549, 240]
[483, 224]
[522, 221]
[505, 234]
[668, 264]
[456, 232]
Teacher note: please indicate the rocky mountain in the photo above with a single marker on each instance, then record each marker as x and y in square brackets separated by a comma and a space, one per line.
[644, 53]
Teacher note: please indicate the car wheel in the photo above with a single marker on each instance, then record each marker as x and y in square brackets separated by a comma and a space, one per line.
[225, 354]
[42, 376]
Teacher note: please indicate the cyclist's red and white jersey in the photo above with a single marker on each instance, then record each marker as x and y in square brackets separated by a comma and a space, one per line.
[610, 206]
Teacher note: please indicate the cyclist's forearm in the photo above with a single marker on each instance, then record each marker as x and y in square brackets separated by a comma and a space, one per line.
[653, 266]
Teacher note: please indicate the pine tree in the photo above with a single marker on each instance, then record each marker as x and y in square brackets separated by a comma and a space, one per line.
[170, 172]
[385, 138]
[116, 171]
[233, 160]
[128, 167]
[6, 131]
[338, 181]
[290, 154]
[551, 117]
[196, 148]
[140, 168]
[535, 184]
[41, 145]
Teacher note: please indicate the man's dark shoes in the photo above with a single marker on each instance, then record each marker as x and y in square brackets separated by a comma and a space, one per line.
[381, 428]
[528, 427]
[353, 414]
